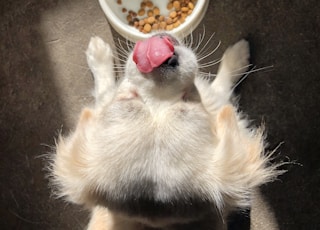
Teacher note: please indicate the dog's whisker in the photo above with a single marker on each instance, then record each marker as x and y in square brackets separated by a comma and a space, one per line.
[210, 63]
[213, 61]
[120, 43]
[254, 69]
[206, 44]
[202, 35]
[187, 41]
[191, 40]
[120, 57]
[122, 51]
[202, 56]
[124, 56]
[240, 81]
[200, 40]
[238, 70]
[246, 74]
[129, 44]
[120, 64]
[207, 74]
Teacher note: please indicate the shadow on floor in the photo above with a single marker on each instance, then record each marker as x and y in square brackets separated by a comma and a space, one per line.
[284, 34]
[30, 117]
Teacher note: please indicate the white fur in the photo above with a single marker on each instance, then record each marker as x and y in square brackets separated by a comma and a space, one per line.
[163, 132]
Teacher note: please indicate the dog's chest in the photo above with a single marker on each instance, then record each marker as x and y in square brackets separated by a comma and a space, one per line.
[169, 123]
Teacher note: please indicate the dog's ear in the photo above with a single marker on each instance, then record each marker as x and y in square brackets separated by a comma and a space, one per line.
[240, 156]
[69, 164]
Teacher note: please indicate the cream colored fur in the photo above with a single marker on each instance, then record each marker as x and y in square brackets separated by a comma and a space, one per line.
[183, 143]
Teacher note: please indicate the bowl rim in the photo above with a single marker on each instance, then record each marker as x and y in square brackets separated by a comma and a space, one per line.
[132, 34]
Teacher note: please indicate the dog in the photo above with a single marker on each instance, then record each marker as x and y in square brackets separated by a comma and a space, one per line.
[163, 147]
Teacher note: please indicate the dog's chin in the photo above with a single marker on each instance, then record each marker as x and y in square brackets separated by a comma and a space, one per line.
[163, 76]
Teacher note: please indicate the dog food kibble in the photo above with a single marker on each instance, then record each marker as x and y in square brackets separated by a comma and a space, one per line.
[150, 13]
[147, 28]
[169, 21]
[129, 18]
[176, 5]
[190, 5]
[149, 4]
[161, 18]
[156, 11]
[141, 23]
[173, 14]
[176, 24]
[163, 25]
[184, 9]
[141, 12]
[149, 18]
[169, 27]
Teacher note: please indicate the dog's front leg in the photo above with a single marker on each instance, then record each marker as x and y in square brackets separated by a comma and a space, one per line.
[234, 64]
[100, 61]
[239, 150]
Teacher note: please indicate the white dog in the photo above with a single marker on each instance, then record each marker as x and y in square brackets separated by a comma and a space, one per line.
[164, 148]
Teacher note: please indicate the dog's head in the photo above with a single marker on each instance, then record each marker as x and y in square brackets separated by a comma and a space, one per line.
[162, 65]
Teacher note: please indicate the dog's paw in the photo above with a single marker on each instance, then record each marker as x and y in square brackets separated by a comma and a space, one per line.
[99, 53]
[236, 58]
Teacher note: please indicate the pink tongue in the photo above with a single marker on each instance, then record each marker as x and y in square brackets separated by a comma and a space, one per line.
[152, 53]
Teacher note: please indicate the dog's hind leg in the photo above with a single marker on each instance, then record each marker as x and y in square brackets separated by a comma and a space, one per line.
[103, 219]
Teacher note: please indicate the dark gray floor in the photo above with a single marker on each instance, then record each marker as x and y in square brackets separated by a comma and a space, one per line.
[284, 34]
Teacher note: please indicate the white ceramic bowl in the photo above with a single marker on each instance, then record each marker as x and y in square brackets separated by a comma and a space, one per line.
[118, 20]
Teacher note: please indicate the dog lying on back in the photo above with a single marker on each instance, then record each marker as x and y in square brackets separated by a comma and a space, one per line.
[164, 148]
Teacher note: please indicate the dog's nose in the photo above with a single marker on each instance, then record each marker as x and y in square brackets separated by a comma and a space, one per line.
[172, 61]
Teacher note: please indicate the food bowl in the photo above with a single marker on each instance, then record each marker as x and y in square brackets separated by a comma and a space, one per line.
[117, 14]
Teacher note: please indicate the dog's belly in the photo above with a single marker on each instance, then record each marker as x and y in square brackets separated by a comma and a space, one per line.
[158, 160]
